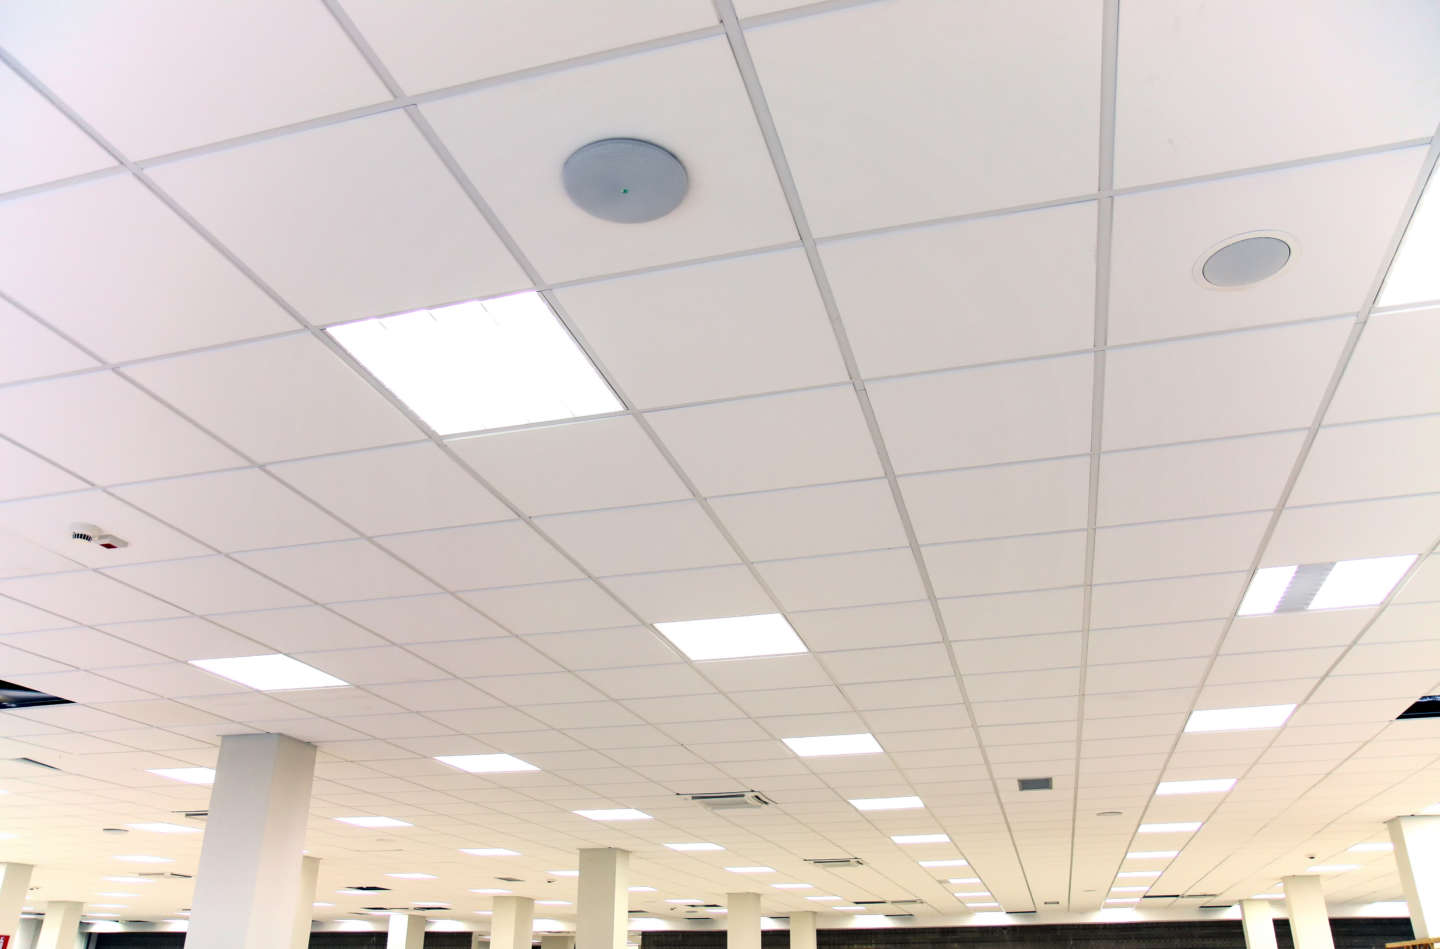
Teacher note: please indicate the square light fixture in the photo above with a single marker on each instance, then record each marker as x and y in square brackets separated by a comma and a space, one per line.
[480, 365]
[270, 673]
[1206, 786]
[489, 852]
[412, 876]
[374, 822]
[1413, 277]
[920, 838]
[974, 895]
[958, 881]
[142, 858]
[1238, 719]
[160, 827]
[733, 637]
[486, 764]
[1179, 827]
[887, 803]
[751, 869]
[1343, 584]
[615, 813]
[1152, 855]
[187, 775]
[1138, 873]
[695, 845]
[642, 889]
[1128, 889]
[848, 907]
[944, 863]
[972, 905]
[1123, 899]
[793, 886]
[822, 746]
[1376, 847]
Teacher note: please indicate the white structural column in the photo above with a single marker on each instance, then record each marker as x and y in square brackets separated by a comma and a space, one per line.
[802, 931]
[1309, 919]
[61, 925]
[305, 903]
[407, 931]
[512, 920]
[14, 885]
[1258, 921]
[742, 921]
[603, 912]
[249, 875]
[1417, 857]
[556, 941]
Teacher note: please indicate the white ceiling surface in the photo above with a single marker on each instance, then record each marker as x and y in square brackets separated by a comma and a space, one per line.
[919, 362]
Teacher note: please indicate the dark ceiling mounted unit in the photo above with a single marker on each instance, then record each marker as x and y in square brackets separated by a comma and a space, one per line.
[1036, 784]
[1426, 706]
[18, 696]
[835, 863]
[730, 800]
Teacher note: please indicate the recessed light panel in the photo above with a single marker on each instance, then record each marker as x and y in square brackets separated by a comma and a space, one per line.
[616, 813]
[696, 845]
[1181, 827]
[1266, 588]
[1207, 786]
[1128, 889]
[271, 673]
[642, 889]
[374, 822]
[944, 863]
[821, 746]
[920, 838]
[486, 764]
[1413, 276]
[733, 637]
[887, 803]
[1138, 873]
[1344, 584]
[489, 852]
[480, 365]
[163, 828]
[1238, 719]
[187, 775]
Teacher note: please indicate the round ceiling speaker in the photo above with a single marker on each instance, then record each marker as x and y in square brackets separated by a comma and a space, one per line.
[625, 180]
[1246, 260]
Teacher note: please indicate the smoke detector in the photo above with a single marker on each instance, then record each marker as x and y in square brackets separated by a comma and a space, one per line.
[90, 534]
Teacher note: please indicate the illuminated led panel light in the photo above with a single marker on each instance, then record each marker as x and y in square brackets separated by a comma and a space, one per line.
[616, 813]
[1205, 786]
[733, 637]
[1238, 719]
[695, 845]
[486, 764]
[271, 673]
[1344, 584]
[920, 838]
[1413, 276]
[187, 775]
[821, 746]
[480, 365]
[374, 822]
[1180, 827]
[887, 803]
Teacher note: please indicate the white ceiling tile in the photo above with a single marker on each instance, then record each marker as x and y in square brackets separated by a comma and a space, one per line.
[1172, 392]
[1270, 666]
[46, 522]
[145, 273]
[887, 663]
[373, 222]
[298, 629]
[21, 558]
[1162, 236]
[1357, 529]
[1034, 683]
[376, 664]
[858, 579]
[1037, 562]
[1018, 499]
[500, 655]
[683, 98]
[206, 585]
[235, 510]
[23, 474]
[551, 688]
[1018, 653]
[640, 539]
[1141, 643]
[1034, 409]
[84, 687]
[186, 638]
[535, 468]
[799, 522]
[487, 555]
[1178, 548]
[1402, 622]
[86, 648]
[32, 350]
[647, 681]
[814, 700]
[858, 627]
[125, 435]
[1156, 674]
[768, 672]
[1213, 477]
[1198, 81]
[777, 441]
[1149, 602]
[433, 695]
[345, 570]
[173, 79]
[85, 597]
[298, 399]
[1013, 614]
[703, 593]
[444, 45]
[717, 330]
[416, 619]
[980, 274]
[1294, 630]
[1371, 460]
[1382, 657]
[550, 607]
[682, 708]
[1424, 583]
[605, 648]
[388, 490]
[873, 145]
[178, 680]
[1060, 710]
[1391, 372]
[51, 147]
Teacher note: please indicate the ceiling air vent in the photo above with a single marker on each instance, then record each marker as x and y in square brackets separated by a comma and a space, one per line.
[510, 879]
[730, 800]
[35, 764]
[18, 696]
[368, 889]
[1036, 784]
[165, 875]
[193, 815]
[835, 863]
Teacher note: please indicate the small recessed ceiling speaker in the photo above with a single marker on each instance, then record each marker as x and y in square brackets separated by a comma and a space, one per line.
[1245, 260]
[625, 180]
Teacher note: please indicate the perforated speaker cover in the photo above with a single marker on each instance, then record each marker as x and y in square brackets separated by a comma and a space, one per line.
[625, 180]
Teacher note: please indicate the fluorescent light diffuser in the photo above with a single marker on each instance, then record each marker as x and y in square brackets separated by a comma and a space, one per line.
[821, 746]
[956, 881]
[887, 803]
[1128, 889]
[616, 813]
[751, 869]
[1152, 855]
[944, 863]
[1372, 848]
[1180, 827]
[642, 889]
[160, 827]
[187, 775]
[1413, 276]
[920, 838]
[141, 858]
[1238, 719]
[977, 895]
[486, 764]
[489, 852]
[981, 904]
[480, 365]
[1366, 582]
[793, 886]
[733, 637]
[696, 845]
[322, 905]
[413, 876]
[272, 673]
[1266, 588]
[1332, 868]
[1267, 896]
[1123, 899]
[848, 907]
[374, 822]
[1208, 786]
[1138, 873]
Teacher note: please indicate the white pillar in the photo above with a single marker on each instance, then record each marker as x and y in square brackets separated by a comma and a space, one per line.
[61, 925]
[742, 922]
[248, 880]
[407, 931]
[1417, 857]
[14, 887]
[512, 920]
[305, 902]
[802, 931]
[603, 911]
[557, 941]
[1309, 919]
[1258, 921]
